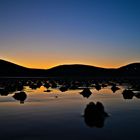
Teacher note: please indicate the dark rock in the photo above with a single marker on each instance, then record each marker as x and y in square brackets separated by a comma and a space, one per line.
[95, 115]
[20, 96]
[86, 92]
[128, 94]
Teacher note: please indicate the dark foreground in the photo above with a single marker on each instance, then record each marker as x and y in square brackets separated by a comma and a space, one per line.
[59, 109]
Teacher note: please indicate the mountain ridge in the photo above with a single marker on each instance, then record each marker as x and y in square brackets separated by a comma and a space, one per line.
[9, 69]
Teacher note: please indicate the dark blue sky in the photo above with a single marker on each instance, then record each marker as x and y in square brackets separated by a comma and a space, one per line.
[44, 33]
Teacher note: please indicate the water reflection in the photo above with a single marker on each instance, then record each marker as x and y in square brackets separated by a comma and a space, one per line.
[50, 112]
[86, 92]
[9, 86]
[48, 90]
[129, 94]
[3, 92]
[63, 88]
[20, 96]
[95, 115]
[114, 88]
[137, 95]
[98, 86]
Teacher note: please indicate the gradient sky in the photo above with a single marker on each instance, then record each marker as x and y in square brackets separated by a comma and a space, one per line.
[46, 33]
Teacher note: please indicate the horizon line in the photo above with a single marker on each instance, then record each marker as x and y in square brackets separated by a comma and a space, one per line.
[69, 65]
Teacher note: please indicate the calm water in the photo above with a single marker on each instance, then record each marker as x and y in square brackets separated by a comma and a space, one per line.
[59, 115]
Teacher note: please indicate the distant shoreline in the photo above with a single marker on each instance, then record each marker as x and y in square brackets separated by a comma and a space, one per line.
[75, 78]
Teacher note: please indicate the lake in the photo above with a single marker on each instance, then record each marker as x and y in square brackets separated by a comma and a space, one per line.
[60, 115]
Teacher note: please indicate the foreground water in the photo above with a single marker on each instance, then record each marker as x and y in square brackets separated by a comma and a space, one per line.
[60, 115]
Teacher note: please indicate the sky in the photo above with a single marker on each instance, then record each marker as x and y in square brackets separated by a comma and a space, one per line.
[47, 33]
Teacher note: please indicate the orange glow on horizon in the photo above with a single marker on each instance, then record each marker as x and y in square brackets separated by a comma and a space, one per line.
[52, 63]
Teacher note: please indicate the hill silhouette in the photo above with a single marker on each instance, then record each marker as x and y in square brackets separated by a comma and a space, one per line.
[8, 69]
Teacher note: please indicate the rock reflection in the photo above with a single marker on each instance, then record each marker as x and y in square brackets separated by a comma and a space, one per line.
[94, 115]
[128, 94]
[137, 95]
[48, 90]
[20, 96]
[3, 92]
[98, 87]
[86, 92]
[114, 88]
[63, 88]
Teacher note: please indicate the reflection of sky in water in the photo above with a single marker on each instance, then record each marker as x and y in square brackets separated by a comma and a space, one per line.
[43, 116]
